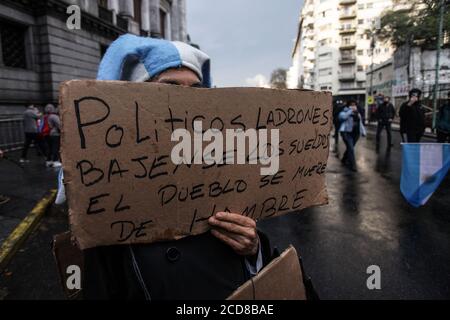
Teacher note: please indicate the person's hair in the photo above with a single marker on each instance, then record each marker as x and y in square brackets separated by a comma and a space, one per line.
[49, 108]
[415, 92]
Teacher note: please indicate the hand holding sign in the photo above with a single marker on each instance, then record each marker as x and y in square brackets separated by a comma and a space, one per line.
[238, 231]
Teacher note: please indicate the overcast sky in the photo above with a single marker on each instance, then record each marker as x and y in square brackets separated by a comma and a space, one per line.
[246, 39]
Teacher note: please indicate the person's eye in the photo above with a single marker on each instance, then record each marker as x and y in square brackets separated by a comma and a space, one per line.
[175, 83]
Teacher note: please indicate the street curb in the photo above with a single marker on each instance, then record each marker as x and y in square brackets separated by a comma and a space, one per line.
[24, 229]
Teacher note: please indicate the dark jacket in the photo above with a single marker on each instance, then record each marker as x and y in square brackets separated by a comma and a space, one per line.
[385, 112]
[196, 267]
[443, 121]
[337, 108]
[412, 118]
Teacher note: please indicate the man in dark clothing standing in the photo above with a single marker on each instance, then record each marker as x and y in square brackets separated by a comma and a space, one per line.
[412, 118]
[385, 114]
[443, 123]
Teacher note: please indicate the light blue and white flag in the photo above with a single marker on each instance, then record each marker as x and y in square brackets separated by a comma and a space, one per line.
[424, 167]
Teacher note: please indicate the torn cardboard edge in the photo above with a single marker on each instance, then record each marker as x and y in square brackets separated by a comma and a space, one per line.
[281, 279]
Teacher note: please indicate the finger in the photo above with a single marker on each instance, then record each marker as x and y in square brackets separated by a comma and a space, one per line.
[247, 243]
[236, 218]
[230, 241]
[233, 227]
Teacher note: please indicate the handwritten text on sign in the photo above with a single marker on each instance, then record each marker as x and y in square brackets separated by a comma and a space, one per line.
[122, 186]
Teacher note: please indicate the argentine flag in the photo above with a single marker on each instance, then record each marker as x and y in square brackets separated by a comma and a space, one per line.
[424, 167]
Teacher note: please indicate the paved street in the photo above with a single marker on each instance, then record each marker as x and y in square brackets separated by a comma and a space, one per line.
[369, 223]
[366, 223]
[24, 186]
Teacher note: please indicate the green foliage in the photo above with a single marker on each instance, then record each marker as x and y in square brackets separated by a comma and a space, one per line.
[417, 25]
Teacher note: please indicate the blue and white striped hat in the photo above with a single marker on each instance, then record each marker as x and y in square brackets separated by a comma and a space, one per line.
[138, 59]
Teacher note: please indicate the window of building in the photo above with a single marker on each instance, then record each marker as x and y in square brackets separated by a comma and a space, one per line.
[12, 45]
[347, 54]
[347, 69]
[326, 86]
[325, 56]
[103, 12]
[369, 5]
[360, 21]
[324, 42]
[137, 11]
[162, 20]
[347, 85]
[361, 84]
[325, 72]
[360, 52]
[346, 40]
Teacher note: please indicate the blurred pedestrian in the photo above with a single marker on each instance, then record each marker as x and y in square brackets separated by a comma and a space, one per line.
[412, 118]
[30, 128]
[53, 139]
[3, 199]
[352, 127]
[337, 108]
[385, 115]
[443, 122]
[44, 132]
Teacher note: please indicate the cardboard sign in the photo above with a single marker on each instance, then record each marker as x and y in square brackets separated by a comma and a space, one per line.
[123, 186]
[281, 279]
[67, 254]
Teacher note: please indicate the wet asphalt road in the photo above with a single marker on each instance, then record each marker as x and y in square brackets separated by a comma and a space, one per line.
[366, 223]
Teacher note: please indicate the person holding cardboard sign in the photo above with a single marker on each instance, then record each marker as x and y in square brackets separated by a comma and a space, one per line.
[207, 266]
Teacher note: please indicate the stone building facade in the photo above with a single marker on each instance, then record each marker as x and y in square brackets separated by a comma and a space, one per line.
[38, 51]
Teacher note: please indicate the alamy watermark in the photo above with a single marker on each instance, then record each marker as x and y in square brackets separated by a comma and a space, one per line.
[74, 20]
[260, 150]
[374, 280]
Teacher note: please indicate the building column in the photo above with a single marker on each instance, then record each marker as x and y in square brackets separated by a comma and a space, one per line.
[145, 15]
[155, 29]
[182, 21]
[126, 8]
[113, 5]
[175, 19]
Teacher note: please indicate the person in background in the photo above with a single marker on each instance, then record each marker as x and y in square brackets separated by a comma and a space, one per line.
[352, 127]
[412, 118]
[385, 115]
[30, 128]
[443, 122]
[3, 199]
[53, 138]
[338, 106]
